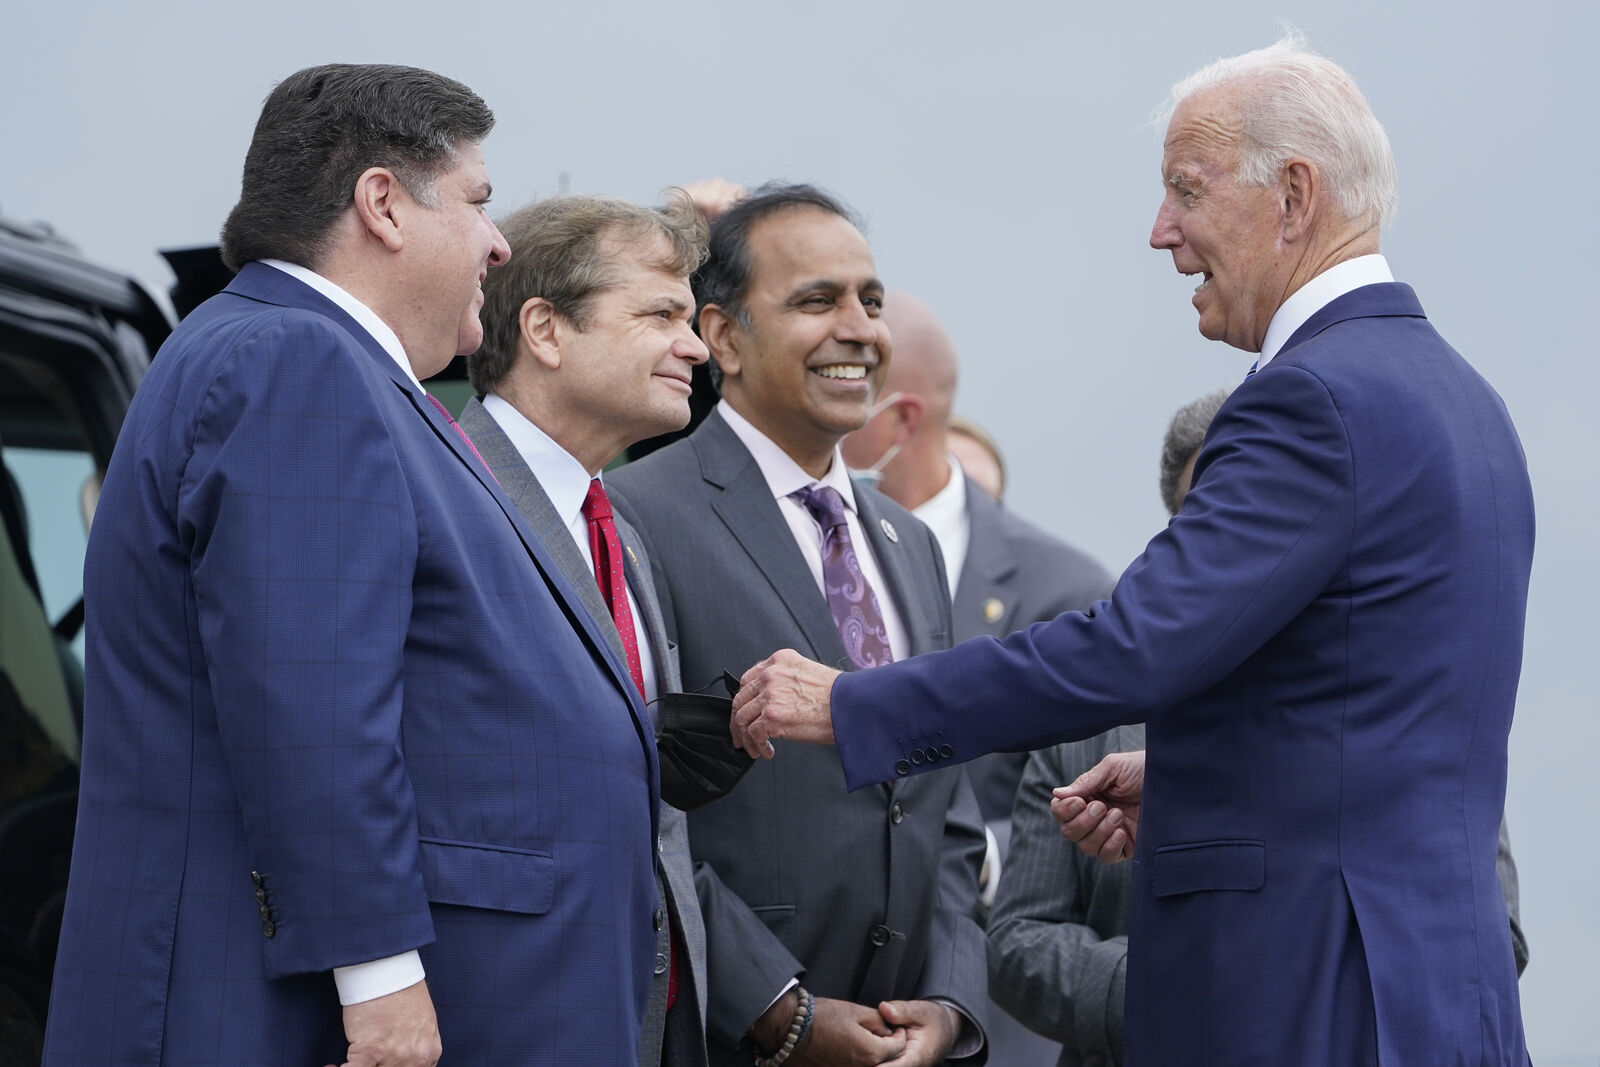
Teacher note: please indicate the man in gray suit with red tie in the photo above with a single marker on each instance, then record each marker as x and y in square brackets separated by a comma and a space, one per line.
[759, 537]
[588, 348]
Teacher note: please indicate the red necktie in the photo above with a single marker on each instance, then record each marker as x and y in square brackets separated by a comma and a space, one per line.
[606, 548]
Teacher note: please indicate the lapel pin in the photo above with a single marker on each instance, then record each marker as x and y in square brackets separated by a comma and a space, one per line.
[631, 557]
[889, 531]
[993, 609]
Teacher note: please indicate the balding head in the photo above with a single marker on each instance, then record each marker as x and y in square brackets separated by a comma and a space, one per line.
[924, 360]
[904, 441]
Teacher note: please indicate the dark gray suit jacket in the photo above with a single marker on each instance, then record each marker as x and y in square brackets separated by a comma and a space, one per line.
[1014, 575]
[1058, 934]
[679, 1042]
[871, 893]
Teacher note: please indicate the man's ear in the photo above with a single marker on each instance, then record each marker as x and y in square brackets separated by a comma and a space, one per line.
[1300, 190]
[909, 411]
[377, 193]
[540, 327]
[721, 336]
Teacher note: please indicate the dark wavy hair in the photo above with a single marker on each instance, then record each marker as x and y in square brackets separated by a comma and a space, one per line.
[320, 128]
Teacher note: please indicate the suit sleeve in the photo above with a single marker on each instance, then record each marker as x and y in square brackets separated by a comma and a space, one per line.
[747, 967]
[303, 540]
[1048, 965]
[1266, 528]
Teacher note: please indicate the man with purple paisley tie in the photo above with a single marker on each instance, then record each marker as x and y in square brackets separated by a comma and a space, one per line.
[758, 538]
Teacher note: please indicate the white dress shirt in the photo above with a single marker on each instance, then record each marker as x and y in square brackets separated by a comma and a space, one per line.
[365, 316]
[365, 981]
[566, 483]
[945, 513]
[1317, 294]
[785, 476]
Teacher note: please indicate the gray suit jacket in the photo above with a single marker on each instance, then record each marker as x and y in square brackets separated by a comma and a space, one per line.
[682, 1042]
[1014, 575]
[871, 893]
[1058, 934]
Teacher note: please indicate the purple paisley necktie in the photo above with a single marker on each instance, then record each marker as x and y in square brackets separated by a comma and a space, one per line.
[851, 601]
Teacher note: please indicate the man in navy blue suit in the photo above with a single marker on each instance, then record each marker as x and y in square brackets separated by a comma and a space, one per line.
[1325, 642]
[360, 774]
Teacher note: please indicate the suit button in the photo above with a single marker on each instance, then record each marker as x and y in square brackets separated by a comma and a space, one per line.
[661, 964]
[946, 751]
[897, 814]
[902, 768]
[660, 918]
[916, 756]
[266, 912]
[879, 935]
[267, 929]
[255, 876]
[261, 896]
[931, 753]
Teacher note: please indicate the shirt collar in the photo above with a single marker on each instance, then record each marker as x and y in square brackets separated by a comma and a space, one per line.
[1317, 294]
[949, 503]
[365, 317]
[563, 479]
[782, 473]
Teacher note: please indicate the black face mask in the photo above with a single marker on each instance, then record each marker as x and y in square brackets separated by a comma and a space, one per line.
[699, 762]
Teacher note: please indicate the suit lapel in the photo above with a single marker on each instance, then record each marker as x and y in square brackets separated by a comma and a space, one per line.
[745, 505]
[642, 583]
[895, 563]
[986, 571]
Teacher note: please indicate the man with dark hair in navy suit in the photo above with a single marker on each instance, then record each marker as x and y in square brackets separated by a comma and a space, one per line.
[346, 724]
[1324, 643]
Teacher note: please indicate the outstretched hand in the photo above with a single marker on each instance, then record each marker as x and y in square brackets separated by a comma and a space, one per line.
[785, 695]
[1100, 809]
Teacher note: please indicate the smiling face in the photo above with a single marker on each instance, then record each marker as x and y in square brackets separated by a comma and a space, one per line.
[807, 367]
[626, 376]
[452, 247]
[1225, 233]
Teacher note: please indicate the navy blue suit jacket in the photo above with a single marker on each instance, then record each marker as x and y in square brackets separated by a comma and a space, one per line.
[323, 647]
[1325, 644]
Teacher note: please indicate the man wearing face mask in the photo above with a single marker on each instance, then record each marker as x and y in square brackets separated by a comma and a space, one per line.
[1005, 573]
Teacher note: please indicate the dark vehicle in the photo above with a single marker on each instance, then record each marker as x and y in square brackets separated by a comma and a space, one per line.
[75, 339]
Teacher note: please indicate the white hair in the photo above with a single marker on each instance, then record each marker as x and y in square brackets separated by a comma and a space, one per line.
[1301, 104]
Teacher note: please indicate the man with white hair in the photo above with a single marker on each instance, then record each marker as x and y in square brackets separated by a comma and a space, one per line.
[1324, 643]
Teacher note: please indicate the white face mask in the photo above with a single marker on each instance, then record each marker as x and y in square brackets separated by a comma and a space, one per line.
[873, 474]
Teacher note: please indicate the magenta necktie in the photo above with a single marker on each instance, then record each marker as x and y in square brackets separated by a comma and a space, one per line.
[851, 601]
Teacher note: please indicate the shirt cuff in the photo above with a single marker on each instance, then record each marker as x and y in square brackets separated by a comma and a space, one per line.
[969, 1039]
[368, 981]
[792, 983]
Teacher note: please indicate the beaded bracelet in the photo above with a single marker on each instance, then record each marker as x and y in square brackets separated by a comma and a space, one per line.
[799, 1026]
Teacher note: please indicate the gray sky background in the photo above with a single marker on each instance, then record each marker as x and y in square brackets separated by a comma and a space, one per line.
[1002, 157]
